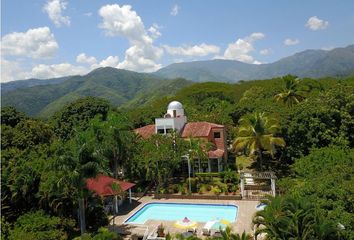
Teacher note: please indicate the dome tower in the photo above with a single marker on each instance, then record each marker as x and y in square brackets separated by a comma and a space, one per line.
[173, 120]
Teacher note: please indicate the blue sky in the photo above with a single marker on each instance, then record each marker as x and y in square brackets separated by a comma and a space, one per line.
[52, 38]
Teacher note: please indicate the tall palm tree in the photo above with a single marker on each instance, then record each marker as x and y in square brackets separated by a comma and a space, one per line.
[65, 181]
[256, 134]
[291, 93]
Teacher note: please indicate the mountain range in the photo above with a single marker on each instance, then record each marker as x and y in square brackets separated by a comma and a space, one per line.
[309, 63]
[130, 89]
[116, 85]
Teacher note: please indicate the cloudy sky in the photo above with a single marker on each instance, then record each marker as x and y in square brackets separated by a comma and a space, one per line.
[53, 38]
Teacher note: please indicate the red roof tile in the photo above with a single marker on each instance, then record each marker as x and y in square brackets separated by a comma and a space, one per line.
[218, 153]
[102, 185]
[146, 131]
[198, 129]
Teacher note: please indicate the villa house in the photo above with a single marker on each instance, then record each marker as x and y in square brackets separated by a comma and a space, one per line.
[175, 120]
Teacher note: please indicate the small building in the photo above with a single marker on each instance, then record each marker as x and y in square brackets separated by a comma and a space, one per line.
[102, 186]
[175, 120]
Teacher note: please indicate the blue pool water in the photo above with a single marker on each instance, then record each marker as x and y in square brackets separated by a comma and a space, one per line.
[178, 211]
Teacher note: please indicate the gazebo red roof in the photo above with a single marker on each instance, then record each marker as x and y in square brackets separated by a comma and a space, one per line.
[102, 185]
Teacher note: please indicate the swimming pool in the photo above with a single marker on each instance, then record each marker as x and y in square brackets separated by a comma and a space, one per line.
[178, 211]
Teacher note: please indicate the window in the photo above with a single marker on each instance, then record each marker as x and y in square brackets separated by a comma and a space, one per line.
[161, 131]
[216, 134]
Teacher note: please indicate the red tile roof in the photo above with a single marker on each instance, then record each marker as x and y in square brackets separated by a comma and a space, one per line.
[218, 153]
[146, 131]
[102, 185]
[199, 129]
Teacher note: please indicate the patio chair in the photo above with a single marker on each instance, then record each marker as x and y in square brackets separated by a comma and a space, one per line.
[192, 230]
[216, 233]
[206, 230]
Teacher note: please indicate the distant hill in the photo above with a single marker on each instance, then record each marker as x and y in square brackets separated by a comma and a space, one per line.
[131, 89]
[309, 63]
[116, 85]
[9, 86]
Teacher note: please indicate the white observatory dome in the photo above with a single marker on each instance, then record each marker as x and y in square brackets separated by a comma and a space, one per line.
[174, 105]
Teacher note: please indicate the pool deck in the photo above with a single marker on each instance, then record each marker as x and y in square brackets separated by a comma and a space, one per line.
[246, 210]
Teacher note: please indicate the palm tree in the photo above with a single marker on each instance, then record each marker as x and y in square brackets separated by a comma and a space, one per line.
[256, 134]
[292, 218]
[65, 181]
[228, 235]
[291, 93]
[198, 149]
[118, 192]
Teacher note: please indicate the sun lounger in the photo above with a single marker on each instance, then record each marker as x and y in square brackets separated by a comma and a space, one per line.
[192, 230]
[207, 227]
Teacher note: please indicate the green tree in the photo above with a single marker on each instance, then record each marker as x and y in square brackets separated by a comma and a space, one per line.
[198, 150]
[291, 93]
[75, 161]
[228, 235]
[293, 218]
[38, 226]
[113, 138]
[324, 177]
[256, 134]
[159, 156]
[77, 115]
[11, 117]
[102, 234]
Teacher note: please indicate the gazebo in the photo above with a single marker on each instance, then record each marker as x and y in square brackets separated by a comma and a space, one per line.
[102, 186]
[248, 186]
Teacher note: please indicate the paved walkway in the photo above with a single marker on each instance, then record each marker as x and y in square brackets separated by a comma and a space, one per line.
[246, 210]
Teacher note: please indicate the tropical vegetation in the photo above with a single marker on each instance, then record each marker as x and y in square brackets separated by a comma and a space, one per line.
[309, 145]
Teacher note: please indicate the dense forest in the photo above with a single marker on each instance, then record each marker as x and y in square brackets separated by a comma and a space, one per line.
[44, 162]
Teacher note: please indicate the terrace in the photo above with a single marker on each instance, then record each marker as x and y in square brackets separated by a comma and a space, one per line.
[243, 220]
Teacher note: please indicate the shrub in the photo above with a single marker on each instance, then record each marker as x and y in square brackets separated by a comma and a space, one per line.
[216, 190]
[38, 226]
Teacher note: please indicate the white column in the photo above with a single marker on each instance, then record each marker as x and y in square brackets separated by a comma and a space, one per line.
[209, 166]
[272, 182]
[242, 186]
[130, 195]
[116, 203]
[219, 167]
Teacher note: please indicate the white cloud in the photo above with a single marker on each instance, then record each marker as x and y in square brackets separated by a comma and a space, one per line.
[142, 55]
[111, 61]
[83, 58]
[196, 50]
[290, 42]
[11, 70]
[154, 31]
[88, 14]
[123, 21]
[56, 70]
[175, 10]
[142, 58]
[54, 10]
[327, 48]
[241, 49]
[314, 23]
[35, 43]
[265, 51]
